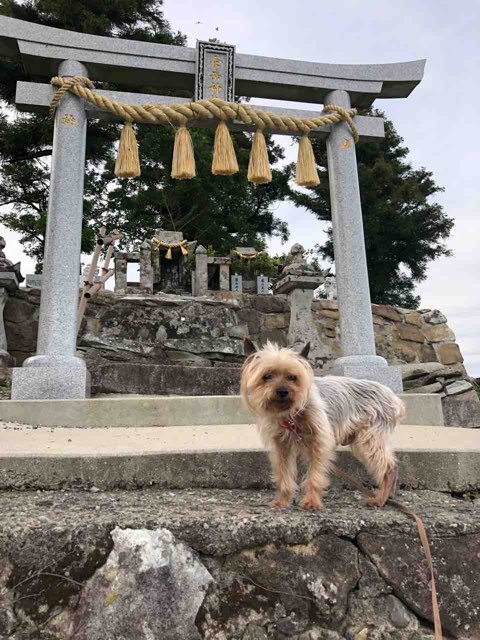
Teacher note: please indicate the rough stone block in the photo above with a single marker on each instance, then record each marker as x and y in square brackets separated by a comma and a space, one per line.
[451, 557]
[414, 318]
[328, 313]
[419, 369]
[458, 386]
[405, 351]
[386, 312]
[438, 333]
[275, 321]
[434, 317]
[449, 353]
[409, 332]
[50, 383]
[462, 413]
[149, 582]
[428, 353]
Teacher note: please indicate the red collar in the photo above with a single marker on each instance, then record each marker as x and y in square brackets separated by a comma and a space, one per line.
[292, 426]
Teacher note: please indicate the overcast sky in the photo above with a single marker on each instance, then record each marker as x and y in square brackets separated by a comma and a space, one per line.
[439, 121]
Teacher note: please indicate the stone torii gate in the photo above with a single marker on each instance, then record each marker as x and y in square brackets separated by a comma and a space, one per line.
[56, 372]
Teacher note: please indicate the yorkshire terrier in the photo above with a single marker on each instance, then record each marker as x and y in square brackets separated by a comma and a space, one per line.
[298, 416]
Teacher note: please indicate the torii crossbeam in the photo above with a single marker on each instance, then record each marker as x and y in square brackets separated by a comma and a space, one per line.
[55, 372]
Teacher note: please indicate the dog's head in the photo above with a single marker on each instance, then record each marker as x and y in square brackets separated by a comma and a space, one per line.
[275, 380]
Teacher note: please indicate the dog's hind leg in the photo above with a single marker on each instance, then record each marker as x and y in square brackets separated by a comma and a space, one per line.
[283, 457]
[372, 449]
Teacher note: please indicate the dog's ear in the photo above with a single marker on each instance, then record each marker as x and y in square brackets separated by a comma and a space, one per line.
[248, 347]
[305, 351]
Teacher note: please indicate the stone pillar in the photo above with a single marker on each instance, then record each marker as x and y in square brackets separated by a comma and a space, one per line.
[359, 359]
[201, 271]
[224, 277]
[55, 372]
[146, 268]
[5, 358]
[121, 266]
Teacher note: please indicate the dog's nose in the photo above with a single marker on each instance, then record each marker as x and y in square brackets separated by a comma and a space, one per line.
[282, 393]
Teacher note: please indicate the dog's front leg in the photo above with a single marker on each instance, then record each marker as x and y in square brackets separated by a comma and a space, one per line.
[283, 456]
[319, 454]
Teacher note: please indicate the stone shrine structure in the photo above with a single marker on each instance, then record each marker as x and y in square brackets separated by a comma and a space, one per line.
[299, 280]
[10, 278]
[56, 371]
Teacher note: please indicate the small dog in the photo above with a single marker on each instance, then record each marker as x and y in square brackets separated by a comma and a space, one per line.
[298, 416]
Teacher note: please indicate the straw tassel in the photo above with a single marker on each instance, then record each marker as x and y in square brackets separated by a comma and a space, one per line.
[128, 163]
[168, 255]
[259, 166]
[183, 164]
[184, 250]
[306, 174]
[224, 162]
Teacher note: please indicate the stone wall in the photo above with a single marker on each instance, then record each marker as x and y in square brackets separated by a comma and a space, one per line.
[224, 565]
[207, 332]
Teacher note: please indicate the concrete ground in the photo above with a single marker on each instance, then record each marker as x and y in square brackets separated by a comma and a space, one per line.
[24, 440]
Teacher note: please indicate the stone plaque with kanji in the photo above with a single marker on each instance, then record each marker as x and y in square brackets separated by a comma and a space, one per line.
[215, 77]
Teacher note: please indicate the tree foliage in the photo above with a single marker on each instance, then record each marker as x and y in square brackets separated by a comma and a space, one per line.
[404, 228]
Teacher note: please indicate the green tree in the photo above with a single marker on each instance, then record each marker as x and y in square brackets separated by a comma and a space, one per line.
[404, 228]
[221, 211]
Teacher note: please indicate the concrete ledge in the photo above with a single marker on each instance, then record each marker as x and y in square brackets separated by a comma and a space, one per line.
[162, 411]
[219, 456]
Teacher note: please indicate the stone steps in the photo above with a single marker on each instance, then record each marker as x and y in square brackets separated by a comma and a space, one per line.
[212, 456]
[161, 379]
[148, 411]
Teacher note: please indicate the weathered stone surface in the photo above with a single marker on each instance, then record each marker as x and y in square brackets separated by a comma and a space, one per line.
[413, 317]
[428, 388]
[150, 587]
[409, 332]
[404, 350]
[58, 541]
[154, 379]
[319, 574]
[386, 312]
[434, 317]
[7, 614]
[458, 386]
[461, 413]
[384, 615]
[268, 304]
[457, 563]
[428, 353]
[275, 321]
[418, 370]
[449, 353]
[329, 313]
[446, 373]
[206, 345]
[321, 303]
[438, 333]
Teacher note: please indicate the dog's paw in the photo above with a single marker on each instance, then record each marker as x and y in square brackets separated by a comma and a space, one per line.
[375, 503]
[280, 503]
[311, 503]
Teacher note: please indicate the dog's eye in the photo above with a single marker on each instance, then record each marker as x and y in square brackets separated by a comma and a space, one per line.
[267, 377]
[292, 378]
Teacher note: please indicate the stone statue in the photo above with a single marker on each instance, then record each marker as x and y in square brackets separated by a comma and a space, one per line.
[298, 266]
[7, 265]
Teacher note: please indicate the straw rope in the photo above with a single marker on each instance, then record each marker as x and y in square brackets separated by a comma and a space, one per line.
[180, 114]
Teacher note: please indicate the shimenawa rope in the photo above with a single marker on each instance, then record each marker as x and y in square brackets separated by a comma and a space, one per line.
[179, 115]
